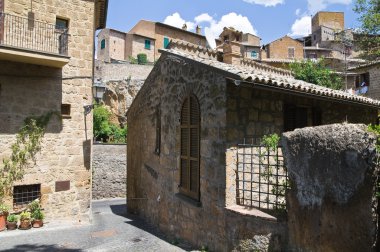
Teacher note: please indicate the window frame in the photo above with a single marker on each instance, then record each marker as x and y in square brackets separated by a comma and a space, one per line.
[166, 42]
[294, 52]
[147, 44]
[24, 191]
[186, 187]
[254, 54]
[63, 20]
[102, 44]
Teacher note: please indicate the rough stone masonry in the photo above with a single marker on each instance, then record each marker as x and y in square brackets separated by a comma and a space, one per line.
[332, 204]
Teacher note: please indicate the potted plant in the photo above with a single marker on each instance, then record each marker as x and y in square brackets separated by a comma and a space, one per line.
[24, 220]
[3, 215]
[36, 213]
[12, 221]
[37, 217]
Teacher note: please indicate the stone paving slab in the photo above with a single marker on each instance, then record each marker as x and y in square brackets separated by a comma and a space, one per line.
[111, 230]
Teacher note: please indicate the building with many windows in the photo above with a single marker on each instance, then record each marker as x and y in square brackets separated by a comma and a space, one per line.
[145, 37]
[46, 72]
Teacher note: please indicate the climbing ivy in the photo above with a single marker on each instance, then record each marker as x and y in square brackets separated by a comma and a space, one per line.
[27, 145]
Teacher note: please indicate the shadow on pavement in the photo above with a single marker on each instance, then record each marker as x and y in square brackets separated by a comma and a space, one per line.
[140, 223]
[120, 210]
[40, 248]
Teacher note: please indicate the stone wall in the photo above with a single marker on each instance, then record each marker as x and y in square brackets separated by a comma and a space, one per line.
[278, 49]
[123, 81]
[138, 46]
[114, 45]
[109, 171]
[332, 205]
[160, 202]
[120, 71]
[27, 89]
[374, 79]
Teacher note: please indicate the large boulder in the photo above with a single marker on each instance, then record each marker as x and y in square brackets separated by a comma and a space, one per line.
[332, 204]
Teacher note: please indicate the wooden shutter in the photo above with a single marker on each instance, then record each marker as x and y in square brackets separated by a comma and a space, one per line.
[190, 126]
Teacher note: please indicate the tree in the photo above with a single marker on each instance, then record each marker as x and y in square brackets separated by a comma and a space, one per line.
[316, 73]
[106, 130]
[369, 37]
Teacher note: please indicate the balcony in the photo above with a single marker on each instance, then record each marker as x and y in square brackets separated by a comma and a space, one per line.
[28, 41]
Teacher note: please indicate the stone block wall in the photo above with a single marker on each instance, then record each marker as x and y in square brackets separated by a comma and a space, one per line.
[120, 71]
[138, 46]
[278, 49]
[332, 205]
[159, 202]
[109, 171]
[28, 89]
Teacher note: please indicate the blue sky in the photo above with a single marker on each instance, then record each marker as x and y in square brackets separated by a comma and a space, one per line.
[269, 19]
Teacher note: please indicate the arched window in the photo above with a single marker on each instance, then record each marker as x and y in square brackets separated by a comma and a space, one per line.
[190, 127]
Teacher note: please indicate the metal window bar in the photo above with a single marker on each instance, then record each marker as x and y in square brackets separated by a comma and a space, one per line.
[24, 194]
[25, 33]
[261, 179]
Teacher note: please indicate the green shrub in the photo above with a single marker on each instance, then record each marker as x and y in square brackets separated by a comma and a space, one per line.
[25, 216]
[37, 214]
[316, 73]
[142, 59]
[132, 60]
[104, 129]
[12, 218]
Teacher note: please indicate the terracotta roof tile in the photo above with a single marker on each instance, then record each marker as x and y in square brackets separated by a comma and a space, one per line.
[269, 76]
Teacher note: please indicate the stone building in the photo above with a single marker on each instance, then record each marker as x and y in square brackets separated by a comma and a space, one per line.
[282, 51]
[111, 45]
[145, 37]
[369, 74]
[46, 65]
[249, 43]
[183, 130]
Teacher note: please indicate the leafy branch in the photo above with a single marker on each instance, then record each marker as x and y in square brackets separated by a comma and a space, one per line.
[27, 145]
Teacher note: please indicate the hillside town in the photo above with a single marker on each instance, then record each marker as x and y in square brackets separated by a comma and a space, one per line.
[166, 138]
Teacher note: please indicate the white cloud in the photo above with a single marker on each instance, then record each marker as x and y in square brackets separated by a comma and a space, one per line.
[298, 12]
[266, 3]
[234, 20]
[212, 27]
[177, 21]
[205, 17]
[301, 27]
[316, 5]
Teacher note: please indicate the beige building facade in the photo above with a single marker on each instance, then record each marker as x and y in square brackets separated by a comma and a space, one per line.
[35, 81]
[284, 48]
[145, 37]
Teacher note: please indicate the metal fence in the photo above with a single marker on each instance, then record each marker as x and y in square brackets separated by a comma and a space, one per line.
[261, 178]
[27, 33]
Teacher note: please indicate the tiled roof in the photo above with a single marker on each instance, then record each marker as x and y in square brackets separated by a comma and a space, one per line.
[365, 65]
[270, 78]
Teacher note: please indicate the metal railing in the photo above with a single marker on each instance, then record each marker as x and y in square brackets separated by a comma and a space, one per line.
[261, 177]
[25, 33]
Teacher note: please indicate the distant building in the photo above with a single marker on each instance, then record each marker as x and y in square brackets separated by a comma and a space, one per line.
[249, 43]
[145, 37]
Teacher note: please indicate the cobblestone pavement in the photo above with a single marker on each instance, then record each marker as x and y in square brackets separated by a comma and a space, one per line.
[111, 230]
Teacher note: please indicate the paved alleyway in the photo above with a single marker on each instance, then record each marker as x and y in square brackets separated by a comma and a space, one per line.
[110, 230]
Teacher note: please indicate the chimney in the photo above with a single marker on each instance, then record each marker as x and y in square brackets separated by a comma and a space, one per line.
[184, 27]
[198, 29]
[232, 53]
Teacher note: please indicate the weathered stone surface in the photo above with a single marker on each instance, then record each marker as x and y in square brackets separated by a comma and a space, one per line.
[109, 171]
[332, 173]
